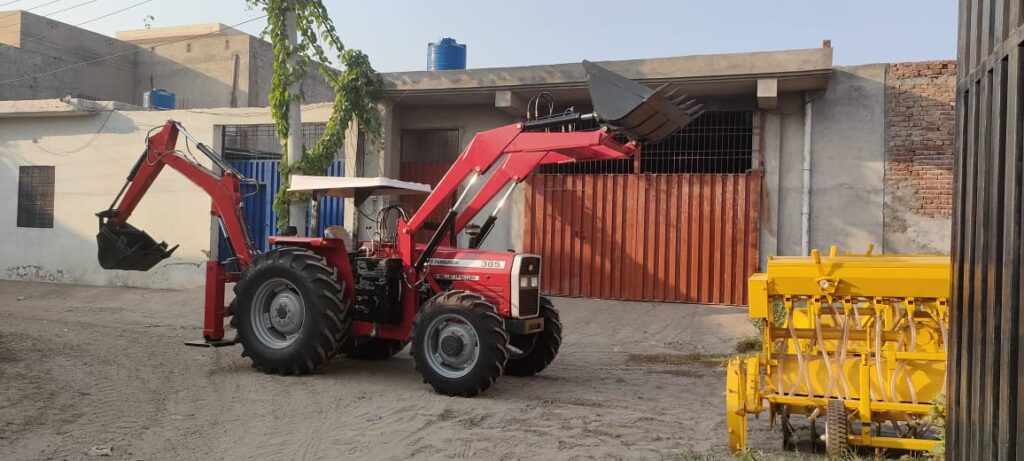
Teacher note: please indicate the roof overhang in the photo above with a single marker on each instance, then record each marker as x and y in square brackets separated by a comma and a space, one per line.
[66, 107]
[719, 74]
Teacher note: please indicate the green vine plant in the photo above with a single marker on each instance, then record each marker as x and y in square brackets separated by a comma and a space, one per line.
[357, 88]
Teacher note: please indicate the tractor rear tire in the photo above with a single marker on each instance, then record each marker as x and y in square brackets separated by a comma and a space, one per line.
[459, 344]
[289, 312]
[538, 349]
[372, 348]
[837, 430]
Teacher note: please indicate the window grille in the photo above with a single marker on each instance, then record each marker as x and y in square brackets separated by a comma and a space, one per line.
[717, 142]
[260, 142]
[35, 196]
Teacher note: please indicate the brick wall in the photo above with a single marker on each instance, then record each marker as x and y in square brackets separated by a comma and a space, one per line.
[920, 125]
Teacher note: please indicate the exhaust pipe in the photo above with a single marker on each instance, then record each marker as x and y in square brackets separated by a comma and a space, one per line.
[640, 113]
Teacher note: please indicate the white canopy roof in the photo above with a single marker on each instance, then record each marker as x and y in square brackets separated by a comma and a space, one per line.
[358, 188]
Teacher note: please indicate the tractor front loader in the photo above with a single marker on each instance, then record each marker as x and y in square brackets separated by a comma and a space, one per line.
[469, 315]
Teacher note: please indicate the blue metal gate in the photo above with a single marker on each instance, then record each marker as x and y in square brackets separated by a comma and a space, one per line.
[258, 203]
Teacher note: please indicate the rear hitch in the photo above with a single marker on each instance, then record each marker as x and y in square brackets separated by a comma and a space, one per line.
[123, 247]
[211, 343]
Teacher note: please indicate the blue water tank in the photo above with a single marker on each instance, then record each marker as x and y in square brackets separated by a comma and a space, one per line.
[446, 54]
[158, 99]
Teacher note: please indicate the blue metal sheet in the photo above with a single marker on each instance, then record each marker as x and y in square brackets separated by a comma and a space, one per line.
[258, 202]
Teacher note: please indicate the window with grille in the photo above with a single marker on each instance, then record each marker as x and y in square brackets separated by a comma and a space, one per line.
[260, 142]
[35, 196]
[717, 142]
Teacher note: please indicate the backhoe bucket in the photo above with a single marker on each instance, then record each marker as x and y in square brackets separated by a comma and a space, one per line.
[640, 113]
[129, 249]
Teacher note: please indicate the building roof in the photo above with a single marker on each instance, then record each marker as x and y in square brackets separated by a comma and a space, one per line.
[163, 34]
[734, 73]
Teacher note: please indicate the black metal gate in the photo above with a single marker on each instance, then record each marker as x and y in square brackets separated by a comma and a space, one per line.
[986, 400]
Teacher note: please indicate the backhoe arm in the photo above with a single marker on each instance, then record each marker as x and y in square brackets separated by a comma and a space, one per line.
[121, 246]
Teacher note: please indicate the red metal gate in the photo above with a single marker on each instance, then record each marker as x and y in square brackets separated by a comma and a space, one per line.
[645, 237]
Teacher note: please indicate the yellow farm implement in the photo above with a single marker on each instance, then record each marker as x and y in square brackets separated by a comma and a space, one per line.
[858, 341]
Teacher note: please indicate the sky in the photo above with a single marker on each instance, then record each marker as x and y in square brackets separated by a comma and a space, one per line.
[526, 32]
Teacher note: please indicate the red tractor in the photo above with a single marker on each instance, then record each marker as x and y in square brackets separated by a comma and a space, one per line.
[470, 315]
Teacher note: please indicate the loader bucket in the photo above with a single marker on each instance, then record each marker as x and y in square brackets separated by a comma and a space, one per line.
[640, 113]
[129, 249]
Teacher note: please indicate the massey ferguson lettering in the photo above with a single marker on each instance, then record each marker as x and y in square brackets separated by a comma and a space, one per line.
[470, 263]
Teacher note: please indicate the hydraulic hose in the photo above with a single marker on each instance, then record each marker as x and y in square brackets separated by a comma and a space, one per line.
[878, 356]
[824, 353]
[802, 373]
[841, 357]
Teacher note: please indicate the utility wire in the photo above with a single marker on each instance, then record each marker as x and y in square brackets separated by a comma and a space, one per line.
[62, 69]
[71, 7]
[37, 37]
[8, 3]
[27, 9]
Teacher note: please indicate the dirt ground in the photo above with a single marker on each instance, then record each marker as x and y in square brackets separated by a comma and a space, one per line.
[84, 367]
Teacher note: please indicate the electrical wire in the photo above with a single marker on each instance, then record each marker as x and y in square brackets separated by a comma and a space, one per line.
[71, 7]
[83, 146]
[8, 3]
[37, 37]
[72, 66]
[16, 12]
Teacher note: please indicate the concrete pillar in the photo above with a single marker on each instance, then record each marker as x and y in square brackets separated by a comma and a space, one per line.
[353, 162]
[767, 93]
[510, 103]
[296, 210]
[771, 133]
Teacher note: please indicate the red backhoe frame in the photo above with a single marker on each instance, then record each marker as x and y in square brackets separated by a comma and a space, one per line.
[523, 152]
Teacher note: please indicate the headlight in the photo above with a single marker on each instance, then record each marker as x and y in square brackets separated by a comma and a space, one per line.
[534, 281]
[524, 282]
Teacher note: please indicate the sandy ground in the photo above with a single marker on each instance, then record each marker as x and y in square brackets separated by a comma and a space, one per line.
[82, 367]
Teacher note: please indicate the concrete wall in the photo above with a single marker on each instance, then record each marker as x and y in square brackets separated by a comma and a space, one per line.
[33, 45]
[205, 72]
[852, 203]
[225, 70]
[92, 154]
[229, 68]
[781, 199]
[848, 155]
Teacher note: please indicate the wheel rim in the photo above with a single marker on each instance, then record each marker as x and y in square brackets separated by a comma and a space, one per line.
[278, 313]
[452, 346]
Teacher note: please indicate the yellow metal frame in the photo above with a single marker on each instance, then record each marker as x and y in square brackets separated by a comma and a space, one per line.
[864, 329]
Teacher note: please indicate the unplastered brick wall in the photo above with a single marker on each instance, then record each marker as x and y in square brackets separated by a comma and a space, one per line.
[920, 121]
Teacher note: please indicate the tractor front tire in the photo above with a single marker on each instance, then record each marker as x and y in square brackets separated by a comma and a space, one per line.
[537, 350]
[459, 344]
[289, 312]
[372, 348]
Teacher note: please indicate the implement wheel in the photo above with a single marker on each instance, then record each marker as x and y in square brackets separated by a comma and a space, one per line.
[289, 313]
[534, 352]
[372, 348]
[837, 430]
[459, 343]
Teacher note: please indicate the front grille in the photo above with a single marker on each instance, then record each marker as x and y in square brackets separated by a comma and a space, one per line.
[529, 302]
[529, 298]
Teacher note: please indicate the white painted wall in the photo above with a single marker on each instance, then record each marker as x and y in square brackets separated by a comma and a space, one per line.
[92, 155]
